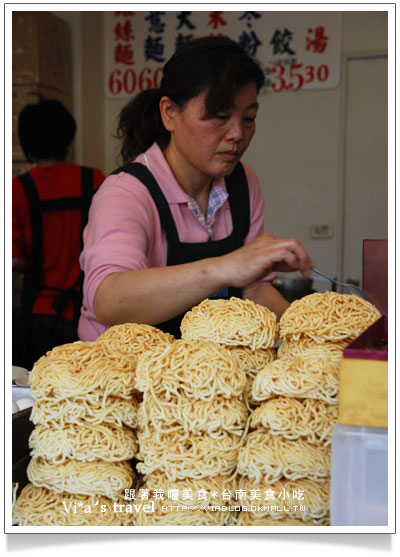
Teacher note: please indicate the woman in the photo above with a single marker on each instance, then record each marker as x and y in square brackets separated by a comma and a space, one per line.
[185, 223]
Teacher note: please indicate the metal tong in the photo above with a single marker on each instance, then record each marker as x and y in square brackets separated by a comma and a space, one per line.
[352, 287]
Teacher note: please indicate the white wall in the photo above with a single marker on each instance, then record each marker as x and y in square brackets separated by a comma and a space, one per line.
[296, 157]
[298, 151]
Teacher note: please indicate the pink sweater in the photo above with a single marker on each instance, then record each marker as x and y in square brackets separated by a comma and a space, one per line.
[124, 231]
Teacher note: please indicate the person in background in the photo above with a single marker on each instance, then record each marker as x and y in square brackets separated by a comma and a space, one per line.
[50, 204]
[184, 222]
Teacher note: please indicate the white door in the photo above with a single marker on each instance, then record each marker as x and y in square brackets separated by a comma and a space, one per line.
[365, 201]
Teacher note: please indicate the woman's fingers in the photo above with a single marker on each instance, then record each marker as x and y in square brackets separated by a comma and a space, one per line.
[264, 254]
[296, 256]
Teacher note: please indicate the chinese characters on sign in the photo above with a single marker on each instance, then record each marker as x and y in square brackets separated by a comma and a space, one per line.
[126, 76]
[286, 74]
[297, 50]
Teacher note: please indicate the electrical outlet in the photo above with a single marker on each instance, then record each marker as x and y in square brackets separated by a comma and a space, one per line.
[321, 231]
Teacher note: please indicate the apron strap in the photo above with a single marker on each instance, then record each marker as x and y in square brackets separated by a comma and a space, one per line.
[36, 263]
[87, 189]
[143, 174]
[33, 282]
[239, 203]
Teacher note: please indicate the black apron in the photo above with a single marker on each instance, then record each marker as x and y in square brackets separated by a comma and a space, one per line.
[183, 252]
[33, 281]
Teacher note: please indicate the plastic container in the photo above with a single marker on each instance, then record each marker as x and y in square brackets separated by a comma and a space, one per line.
[359, 476]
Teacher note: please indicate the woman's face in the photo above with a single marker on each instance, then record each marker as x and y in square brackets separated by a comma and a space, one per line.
[210, 147]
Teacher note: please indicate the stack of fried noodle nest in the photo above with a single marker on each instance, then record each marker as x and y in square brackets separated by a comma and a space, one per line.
[190, 426]
[286, 456]
[247, 331]
[85, 414]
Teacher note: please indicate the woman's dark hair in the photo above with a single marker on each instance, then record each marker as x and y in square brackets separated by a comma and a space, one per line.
[45, 130]
[217, 65]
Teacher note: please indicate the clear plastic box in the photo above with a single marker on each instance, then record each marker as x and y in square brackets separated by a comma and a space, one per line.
[359, 476]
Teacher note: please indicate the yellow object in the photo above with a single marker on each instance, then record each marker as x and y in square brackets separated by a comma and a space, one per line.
[363, 392]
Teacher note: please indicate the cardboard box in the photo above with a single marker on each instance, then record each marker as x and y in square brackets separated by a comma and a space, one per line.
[41, 50]
[363, 381]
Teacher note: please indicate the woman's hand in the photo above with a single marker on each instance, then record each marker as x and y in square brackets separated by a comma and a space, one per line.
[261, 256]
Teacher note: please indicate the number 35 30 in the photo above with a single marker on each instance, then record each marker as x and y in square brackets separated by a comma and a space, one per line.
[293, 77]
